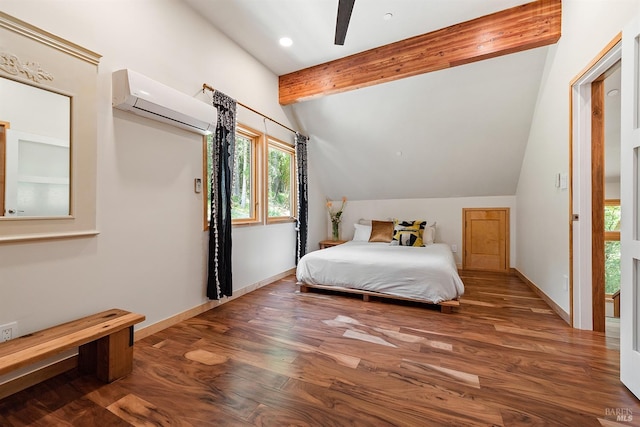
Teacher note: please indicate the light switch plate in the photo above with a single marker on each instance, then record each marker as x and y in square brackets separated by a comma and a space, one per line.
[564, 181]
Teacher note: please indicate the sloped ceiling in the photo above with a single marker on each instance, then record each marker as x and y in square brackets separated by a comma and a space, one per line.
[459, 132]
[451, 133]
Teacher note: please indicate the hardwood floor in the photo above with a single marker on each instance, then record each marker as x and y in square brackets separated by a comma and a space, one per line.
[278, 357]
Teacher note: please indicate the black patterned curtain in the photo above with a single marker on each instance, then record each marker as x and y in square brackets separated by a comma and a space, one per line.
[219, 283]
[303, 198]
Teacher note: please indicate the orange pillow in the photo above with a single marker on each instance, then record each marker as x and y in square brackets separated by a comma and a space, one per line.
[381, 231]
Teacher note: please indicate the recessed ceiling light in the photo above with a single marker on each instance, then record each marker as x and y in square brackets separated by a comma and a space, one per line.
[286, 42]
[387, 16]
[613, 92]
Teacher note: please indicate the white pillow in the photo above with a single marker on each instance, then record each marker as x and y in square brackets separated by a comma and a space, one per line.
[362, 233]
[429, 234]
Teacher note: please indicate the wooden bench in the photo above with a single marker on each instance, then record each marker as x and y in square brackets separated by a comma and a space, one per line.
[104, 341]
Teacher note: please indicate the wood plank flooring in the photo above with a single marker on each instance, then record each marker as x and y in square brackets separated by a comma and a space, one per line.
[278, 357]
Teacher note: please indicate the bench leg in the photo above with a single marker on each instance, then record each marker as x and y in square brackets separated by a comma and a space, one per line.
[110, 357]
[87, 354]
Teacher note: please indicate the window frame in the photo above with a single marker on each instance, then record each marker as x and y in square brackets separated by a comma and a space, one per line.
[256, 171]
[256, 143]
[261, 143]
[289, 149]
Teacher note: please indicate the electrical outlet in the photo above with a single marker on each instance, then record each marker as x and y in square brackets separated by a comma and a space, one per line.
[454, 248]
[8, 331]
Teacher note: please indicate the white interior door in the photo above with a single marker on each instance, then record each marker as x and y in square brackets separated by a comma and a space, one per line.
[630, 202]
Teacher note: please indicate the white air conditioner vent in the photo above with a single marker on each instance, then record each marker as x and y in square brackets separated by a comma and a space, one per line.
[139, 94]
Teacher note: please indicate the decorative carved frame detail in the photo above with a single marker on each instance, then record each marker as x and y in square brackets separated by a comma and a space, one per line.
[13, 65]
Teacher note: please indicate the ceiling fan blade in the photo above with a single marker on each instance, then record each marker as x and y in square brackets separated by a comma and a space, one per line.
[342, 21]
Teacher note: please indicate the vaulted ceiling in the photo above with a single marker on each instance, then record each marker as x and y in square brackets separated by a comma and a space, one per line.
[459, 131]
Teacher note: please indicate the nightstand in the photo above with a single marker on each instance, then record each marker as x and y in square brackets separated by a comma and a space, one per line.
[328, 243]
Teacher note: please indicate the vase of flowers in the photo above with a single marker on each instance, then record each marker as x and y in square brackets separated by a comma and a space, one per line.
[336, 217]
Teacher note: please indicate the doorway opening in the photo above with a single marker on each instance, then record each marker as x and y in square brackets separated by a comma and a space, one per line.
[595, 178]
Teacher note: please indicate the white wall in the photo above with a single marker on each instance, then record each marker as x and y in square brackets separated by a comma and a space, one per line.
[612, 189]
[543, 210]
[150, 256]
[446, 212]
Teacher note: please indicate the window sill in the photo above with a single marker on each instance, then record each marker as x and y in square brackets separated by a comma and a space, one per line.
[247, 223]
[252, 223]
[280, 220]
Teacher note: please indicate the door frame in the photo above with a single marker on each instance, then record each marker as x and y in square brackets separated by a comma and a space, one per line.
[582, 287]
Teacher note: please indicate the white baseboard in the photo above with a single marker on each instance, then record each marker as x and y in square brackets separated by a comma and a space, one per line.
[551, 303]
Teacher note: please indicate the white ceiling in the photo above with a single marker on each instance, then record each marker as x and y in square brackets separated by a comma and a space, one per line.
[455, 132]
[257, 25]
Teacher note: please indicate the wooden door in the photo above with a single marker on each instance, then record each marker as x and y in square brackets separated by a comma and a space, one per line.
[485, 239]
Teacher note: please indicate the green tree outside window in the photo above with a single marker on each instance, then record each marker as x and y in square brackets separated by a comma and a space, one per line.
[241, 184]
[612, 249]
[241, 191]
[280, 174]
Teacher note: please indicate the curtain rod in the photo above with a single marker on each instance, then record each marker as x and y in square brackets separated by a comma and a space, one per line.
[207, 87]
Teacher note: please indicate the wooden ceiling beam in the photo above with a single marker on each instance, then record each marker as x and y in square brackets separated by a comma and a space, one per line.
[512, 30]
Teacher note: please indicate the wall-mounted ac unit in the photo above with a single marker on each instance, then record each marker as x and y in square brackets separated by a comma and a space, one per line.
[139, 94]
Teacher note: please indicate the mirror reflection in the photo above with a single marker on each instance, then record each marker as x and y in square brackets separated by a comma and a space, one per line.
[35, 146]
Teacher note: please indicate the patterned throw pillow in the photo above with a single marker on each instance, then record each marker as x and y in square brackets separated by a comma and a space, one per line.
[408, 233]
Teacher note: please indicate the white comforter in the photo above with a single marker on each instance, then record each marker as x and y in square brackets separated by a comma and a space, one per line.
[428, 273]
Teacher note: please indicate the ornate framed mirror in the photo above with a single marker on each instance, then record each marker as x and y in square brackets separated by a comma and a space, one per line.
[48, 135]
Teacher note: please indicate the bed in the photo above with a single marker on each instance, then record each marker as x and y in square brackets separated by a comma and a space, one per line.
[425, 274]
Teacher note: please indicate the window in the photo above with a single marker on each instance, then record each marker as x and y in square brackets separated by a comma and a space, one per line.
[244, 200]
[259, 174]
[612, 246]
[280, 181]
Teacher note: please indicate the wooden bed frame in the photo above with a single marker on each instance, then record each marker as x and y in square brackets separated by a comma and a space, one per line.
[445, 306]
